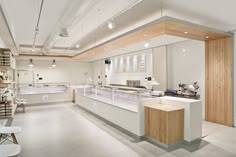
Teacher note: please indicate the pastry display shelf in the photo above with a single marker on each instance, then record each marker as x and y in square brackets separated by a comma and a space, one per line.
[7, 64]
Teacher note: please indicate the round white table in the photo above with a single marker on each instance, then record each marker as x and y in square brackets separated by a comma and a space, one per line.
[9, 150]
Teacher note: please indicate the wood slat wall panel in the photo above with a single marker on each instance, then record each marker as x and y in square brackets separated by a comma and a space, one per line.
[218, 82]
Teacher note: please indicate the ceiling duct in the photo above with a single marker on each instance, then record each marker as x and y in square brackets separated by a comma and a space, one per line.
[64, 33]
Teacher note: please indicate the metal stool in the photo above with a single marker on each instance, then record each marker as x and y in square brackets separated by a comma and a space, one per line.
[20, 103]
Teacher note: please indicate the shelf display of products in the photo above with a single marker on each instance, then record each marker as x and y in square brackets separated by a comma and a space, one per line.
[7, 64]
[6, 59]
[6, 109]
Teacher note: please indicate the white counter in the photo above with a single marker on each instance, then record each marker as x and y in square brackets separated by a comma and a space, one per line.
[130, 114]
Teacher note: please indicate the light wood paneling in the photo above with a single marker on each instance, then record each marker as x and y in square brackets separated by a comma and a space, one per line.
[218, 83]
[155, 29]
[190, 31]
[164, 123]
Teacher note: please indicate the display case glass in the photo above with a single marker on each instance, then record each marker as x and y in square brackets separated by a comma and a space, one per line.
[42, 88]
[127, 99]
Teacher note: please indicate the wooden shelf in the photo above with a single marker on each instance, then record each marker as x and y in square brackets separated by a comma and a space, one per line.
[5, 68]
[4, 49]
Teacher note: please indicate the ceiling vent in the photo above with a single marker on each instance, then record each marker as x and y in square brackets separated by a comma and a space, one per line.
[64, 32]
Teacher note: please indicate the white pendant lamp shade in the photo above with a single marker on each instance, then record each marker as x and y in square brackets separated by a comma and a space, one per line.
[31, 64]
[54, 63]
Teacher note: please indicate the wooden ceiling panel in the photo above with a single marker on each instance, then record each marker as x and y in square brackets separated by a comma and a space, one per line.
[191, 31]
[164, 25]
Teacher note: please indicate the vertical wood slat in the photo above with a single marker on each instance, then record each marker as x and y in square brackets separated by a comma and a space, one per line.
[218, 81]
[165, 126]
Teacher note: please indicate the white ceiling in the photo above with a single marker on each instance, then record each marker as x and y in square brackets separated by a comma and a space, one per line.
[86, 20]
[23, 15]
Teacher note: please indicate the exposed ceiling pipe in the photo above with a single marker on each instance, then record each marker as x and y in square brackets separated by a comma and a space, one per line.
[37, 25]
[111, 19]
[75, 10]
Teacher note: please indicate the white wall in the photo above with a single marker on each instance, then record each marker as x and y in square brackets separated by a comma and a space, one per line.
[186, 64]
[65, 71]
[160, 67]
[234, 76]
[121, 77]
[98, 69]
[2, 43]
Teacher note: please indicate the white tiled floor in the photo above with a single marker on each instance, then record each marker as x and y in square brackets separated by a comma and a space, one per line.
[64, 130]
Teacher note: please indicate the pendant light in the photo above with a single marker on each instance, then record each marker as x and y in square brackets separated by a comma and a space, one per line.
[54, 63]
[31, 64]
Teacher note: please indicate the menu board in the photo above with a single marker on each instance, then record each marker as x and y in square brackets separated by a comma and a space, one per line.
[141, 63]
[136, 63]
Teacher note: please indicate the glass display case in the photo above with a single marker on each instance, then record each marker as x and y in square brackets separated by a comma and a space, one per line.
[124, 98]
[42, 88]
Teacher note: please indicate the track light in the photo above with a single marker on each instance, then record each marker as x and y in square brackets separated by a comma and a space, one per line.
[31, 64]
[54, 63]
[110, 24]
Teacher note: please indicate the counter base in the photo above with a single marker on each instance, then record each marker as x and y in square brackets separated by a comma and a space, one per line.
[135, 137]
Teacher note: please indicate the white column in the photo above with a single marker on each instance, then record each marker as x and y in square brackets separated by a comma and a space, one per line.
[234, 76]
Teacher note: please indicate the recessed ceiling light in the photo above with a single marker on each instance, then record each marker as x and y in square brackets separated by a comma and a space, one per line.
[110, 24]
[146, 44]
[33, 50]
[207, 37]
[77, 46]
[185, 32]
[145, 35]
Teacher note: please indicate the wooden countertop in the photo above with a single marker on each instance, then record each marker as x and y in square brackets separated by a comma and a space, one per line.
[166, 108]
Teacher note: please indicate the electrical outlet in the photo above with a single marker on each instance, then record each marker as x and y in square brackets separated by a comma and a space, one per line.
[45, 97]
